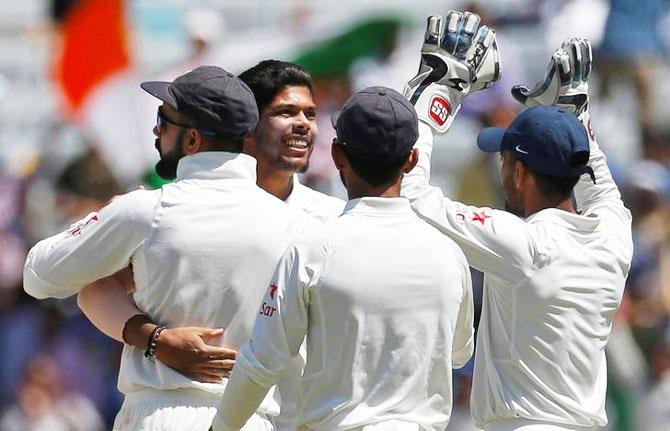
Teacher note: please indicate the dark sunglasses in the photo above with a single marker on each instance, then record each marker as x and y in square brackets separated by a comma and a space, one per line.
[162, 119]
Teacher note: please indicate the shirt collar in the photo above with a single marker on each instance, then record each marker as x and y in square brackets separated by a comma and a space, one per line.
[377, 205]
[295, 192]
[217, 165]
[565, 218]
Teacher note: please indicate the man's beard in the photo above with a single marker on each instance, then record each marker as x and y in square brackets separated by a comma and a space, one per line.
[167, 165]
[284, 165]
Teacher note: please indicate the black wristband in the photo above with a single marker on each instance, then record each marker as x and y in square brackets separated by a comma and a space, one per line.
[153, 342]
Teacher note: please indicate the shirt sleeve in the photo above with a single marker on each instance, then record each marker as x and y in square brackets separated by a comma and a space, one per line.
[603, 198]
[95, 247]
[464, 332]
[280, 327]
[494, 241]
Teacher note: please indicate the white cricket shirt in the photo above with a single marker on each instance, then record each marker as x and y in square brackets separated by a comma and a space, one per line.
[385, 303]
[203, 250]
[323, 208]
[318, 205]
[552, 284]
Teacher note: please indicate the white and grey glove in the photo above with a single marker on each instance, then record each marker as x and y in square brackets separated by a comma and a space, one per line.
[566, 81]
[455, 61]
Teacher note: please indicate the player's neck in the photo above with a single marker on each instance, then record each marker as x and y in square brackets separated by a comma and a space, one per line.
[276, 182]
[360, 189]
[538, 205]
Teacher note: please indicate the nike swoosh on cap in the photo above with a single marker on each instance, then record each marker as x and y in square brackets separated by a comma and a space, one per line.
[520, 150]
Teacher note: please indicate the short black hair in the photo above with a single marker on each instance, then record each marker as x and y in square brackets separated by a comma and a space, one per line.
[270, 77]
[225, 142]
[375, 172]
[559, 187]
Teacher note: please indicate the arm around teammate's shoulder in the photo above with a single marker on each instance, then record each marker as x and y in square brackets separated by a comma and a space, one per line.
[95, 247]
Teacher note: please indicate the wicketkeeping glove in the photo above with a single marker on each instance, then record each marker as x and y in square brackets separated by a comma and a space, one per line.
[565, 82]
[455, 61]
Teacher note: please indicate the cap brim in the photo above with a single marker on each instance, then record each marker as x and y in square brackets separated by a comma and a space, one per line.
[490, 139]
[159, 89]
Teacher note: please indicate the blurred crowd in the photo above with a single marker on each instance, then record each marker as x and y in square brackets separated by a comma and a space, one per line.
[59, 373]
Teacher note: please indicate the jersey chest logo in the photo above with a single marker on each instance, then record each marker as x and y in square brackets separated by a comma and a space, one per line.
[267, 310]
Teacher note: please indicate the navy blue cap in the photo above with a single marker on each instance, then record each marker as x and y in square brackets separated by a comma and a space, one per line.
[377, 123]
[547, 139]
[213, 98]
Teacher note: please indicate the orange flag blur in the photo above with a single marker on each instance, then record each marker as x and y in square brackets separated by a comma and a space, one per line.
[95, 72]
[94, 47]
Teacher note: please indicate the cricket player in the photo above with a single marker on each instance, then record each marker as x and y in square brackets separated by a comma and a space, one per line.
[284, 138]
[555, 267]
[281, 144]
[383, 298]
[213, 227]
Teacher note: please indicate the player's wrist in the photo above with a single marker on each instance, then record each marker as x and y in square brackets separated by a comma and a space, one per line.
[437, 107]
[138, 330]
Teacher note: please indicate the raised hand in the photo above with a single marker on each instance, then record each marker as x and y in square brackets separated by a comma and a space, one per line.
[565, 82]
[455, 61]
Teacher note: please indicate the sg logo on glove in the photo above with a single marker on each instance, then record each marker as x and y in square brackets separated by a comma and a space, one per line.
[455, 61]
[440, 110]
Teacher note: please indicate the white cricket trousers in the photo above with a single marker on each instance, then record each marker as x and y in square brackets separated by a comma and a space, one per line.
[527, 425]
[175, 410]
[392, 425]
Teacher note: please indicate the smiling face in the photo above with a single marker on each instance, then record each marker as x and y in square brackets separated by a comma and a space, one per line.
[286, 131]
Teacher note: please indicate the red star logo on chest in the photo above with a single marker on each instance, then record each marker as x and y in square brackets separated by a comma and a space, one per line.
[480, 216]
[273, 290]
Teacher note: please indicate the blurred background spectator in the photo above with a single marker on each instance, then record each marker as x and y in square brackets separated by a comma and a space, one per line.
[75, 130]
[45, 404]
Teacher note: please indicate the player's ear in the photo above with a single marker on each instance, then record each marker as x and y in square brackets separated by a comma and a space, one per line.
[193, 141]
[411, 161]
[520, 172]
[339, 158]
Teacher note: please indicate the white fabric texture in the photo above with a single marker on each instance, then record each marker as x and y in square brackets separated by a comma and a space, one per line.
[319, 205]
[552, 284]
[203, 250]
[176, 410]
[386, 305]
[528, 425]
[323, 208]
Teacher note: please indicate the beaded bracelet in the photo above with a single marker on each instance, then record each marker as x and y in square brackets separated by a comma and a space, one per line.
[153, 342]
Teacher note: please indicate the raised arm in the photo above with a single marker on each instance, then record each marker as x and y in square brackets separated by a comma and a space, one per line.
[566, 84]
[455, 61]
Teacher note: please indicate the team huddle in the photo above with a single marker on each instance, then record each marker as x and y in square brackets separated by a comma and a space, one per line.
[248, 301]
